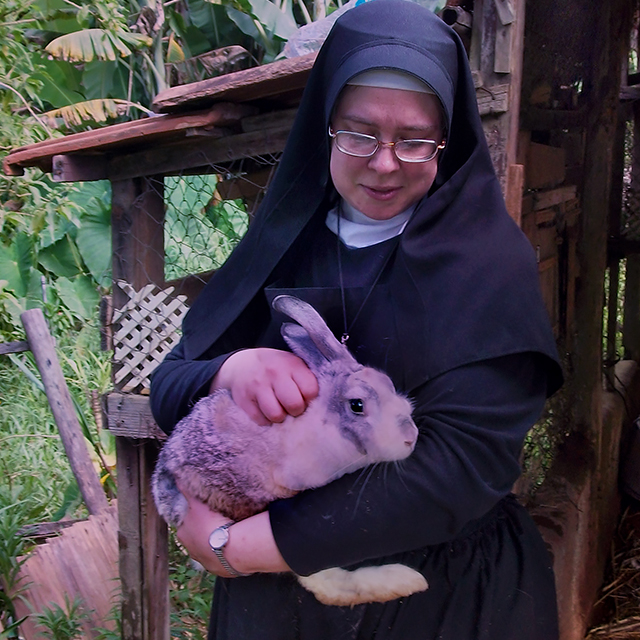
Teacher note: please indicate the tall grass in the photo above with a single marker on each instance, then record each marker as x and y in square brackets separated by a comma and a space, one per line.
[33, 464]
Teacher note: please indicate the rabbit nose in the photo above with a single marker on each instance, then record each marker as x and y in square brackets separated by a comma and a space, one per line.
[410, 432]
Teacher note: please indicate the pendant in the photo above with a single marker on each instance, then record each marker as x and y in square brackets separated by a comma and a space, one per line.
[345, 337]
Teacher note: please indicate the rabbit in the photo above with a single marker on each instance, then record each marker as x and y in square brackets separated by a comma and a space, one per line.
[223, 458]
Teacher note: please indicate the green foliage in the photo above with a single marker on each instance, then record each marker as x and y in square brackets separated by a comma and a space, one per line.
[191, 591]
[63, 624]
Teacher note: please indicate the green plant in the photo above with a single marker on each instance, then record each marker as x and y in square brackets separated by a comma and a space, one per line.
[12, 557]
[191, 591]
[63, 623]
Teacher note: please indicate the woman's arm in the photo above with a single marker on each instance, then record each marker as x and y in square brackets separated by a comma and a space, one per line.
[251, 547]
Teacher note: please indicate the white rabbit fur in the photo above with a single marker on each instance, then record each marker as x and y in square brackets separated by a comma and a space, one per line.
[223, 458]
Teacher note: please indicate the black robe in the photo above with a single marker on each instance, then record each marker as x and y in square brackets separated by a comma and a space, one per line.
[457, 321]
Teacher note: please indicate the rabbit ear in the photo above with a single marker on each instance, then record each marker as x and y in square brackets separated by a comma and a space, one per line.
[316, 340]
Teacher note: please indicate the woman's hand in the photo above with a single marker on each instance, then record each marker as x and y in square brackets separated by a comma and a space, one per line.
[268, 384]
[251, 547]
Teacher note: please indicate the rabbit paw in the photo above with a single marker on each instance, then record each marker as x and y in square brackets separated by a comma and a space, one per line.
[368, 584]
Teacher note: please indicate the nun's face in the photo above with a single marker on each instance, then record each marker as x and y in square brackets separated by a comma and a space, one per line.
[381, 186]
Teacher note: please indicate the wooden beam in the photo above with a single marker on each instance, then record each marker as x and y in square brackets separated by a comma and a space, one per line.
[14, 347]
[140, 133]
[55, 386]
[546, 199]
[129, 415]
[168, 160]
[249, 84]
[78, 168]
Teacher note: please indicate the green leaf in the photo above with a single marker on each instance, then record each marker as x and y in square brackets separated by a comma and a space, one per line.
[9, 271]
[55, 92]
[94, 243]
[79, 295]
[245, 23]
[24, 252]
[215, 23]
[274, 21]
[97, 79]
[60, 259]
[196, 41]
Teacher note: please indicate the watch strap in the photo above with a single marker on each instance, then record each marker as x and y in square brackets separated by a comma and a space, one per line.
[223, 561]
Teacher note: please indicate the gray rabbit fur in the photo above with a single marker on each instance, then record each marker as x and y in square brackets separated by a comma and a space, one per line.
[223, 458]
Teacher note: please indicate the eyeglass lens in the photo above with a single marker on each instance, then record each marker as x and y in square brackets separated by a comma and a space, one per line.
[362, 145]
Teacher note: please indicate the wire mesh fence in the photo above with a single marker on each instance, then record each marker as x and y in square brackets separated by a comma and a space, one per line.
[207, 215]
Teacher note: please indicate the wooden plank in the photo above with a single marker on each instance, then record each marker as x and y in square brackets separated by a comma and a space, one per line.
[129, 538]
[270, 120]
[124, 135]
[203, 155]
[130, 415]
[82, 561]
[155, 544]
[514, 189]
[14, 347]
[493, 100]
[545, 216]
[545, 166]
[77, 168]
[42, 347]
[547, 199]
[241, 86]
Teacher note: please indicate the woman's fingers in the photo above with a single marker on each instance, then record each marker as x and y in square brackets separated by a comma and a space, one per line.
[268, 384]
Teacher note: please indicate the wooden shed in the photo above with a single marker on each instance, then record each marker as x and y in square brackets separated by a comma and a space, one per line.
[558, 108]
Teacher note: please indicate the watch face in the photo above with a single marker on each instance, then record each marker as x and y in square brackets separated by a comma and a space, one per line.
[218, 538]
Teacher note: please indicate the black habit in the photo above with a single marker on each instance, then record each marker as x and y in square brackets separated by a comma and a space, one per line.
[455, 318]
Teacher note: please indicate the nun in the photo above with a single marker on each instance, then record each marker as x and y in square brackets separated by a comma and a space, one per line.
[386, 215]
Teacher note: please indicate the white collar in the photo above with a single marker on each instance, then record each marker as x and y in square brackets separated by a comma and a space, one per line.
[358, 230]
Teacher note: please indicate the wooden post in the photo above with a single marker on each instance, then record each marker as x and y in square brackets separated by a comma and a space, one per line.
[41, 344]
[591, 471]
[138, 258]
[631, 327]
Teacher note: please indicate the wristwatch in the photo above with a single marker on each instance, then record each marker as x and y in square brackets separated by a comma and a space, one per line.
[218, 539]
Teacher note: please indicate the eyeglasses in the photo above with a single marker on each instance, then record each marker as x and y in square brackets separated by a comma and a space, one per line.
[362, 145]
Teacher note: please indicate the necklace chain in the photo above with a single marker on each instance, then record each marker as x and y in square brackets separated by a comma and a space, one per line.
[347, 327]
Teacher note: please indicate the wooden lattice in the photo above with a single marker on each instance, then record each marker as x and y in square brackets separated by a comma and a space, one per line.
[147, 328]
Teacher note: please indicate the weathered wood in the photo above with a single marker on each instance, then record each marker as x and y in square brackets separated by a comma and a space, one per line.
[493, 100]
[545, 166]
[137, 218]
[130, 415]
[547, 199]
[143, 545]
[138, 258]
[155, 541]
[269, 120]
[76, 168]
[42, 347]
[514, 188]
[130, 538]
[241, 86]
[199, 154]
[81, 562]
[539, 119]
[143, 133]
[14, 347]
[597, 479]
[631, 322]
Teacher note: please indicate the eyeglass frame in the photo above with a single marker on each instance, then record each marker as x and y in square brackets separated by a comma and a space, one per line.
[333, 135]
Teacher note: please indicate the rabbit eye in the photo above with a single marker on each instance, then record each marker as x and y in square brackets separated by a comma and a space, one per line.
[357, 406]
